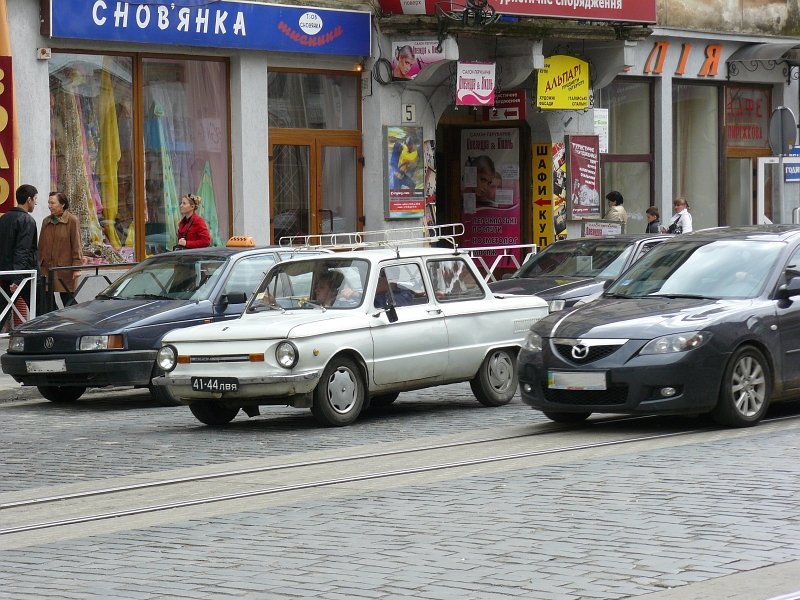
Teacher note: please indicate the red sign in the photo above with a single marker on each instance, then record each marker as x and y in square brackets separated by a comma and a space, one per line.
[626, 11]
[508, 106]
[7, 149]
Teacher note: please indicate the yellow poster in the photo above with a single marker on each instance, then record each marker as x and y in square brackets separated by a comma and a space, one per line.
[563, 84]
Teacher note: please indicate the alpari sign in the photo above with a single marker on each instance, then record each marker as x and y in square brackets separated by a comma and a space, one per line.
[623, 11]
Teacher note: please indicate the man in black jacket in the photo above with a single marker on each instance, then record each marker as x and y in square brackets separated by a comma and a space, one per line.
[18, 247]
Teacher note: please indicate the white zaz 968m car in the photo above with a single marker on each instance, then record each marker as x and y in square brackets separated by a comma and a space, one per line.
[340, 332]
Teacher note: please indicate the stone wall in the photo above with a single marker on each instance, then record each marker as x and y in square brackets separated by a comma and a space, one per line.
[771, 17]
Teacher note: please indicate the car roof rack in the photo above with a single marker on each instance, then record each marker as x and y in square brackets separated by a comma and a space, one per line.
[386, 238]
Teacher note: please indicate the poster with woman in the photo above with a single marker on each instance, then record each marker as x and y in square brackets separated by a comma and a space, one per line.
[490, 187]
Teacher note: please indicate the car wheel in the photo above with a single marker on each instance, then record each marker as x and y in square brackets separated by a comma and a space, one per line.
[496, 381]
[162, 395]
[745, 390]
[567, 417]
[383, 400]
[61, 393]
[339, 395]
[213, 414]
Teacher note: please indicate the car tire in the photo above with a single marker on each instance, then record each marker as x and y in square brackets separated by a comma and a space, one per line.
[162, 396]
[61, 393]
[566, 417]
[496, 381]
[383, 400]
[745, 390]
[339, 395]
[212, 413]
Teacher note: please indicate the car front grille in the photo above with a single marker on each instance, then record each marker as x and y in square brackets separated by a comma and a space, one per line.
[593, 353]
[614, 395]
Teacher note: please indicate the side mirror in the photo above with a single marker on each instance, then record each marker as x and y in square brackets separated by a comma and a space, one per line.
[233, 298]
[391, 314]
[787, 290]
[607, 283]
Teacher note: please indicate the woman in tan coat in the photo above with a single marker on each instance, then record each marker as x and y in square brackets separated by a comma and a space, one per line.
[60, 246]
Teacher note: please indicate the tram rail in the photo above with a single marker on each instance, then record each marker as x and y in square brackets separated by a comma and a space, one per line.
[316, 482]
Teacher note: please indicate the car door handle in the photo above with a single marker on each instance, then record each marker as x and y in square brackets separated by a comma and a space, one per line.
[435, 311]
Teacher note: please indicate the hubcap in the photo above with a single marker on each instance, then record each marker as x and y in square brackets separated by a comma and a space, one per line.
[748, 386]
[342, 390]
[500, 372]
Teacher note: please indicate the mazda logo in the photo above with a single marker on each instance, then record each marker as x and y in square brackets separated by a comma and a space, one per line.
[49, 342]
[579, 351]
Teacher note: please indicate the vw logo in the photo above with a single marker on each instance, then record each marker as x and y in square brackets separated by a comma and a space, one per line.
[579, 351]
[49, 342]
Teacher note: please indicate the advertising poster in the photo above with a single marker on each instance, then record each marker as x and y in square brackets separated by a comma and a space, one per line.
[7, 150]
[563, 84]
[583, 164]
[559, 191]
[475, 84]
[490, 187]
[410, 57]
[405, 171]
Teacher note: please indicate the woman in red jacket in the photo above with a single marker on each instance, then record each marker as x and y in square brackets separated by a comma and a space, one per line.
[192, 229]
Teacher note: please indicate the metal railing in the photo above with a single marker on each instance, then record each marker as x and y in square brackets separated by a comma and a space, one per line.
[48, 302]
[500, 256]
[384, 238]
[10, 309]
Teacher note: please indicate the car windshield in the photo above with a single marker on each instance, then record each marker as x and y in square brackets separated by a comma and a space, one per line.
[579, 258]
[701, 269]
[319, 283]
[174, 276]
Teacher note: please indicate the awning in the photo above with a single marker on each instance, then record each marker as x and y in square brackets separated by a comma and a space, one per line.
[766, 56]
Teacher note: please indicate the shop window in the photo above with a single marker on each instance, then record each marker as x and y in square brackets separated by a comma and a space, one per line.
[695, 150]
[103, 140]
[185, 146]
[91, 150]
[627, 167]
[313, 100]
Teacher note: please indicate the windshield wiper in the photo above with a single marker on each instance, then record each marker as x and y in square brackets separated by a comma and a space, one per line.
[152, 297]
[106, 297]
[690, 296]
[606, 295]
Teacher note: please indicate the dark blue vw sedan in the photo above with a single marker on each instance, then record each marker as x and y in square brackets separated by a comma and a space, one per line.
[707, 322]
[113, 339]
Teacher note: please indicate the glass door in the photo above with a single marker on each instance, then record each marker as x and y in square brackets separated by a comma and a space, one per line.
[315, 188]
[739, 187]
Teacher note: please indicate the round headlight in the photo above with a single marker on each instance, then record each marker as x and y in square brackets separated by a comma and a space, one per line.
[166, 358]
[286, 355]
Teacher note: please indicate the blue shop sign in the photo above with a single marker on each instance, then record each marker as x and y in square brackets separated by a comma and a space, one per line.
[215, 24]
[792, 172]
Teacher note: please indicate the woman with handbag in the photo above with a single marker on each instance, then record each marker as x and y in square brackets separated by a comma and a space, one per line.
[681, 218]
[192, 230]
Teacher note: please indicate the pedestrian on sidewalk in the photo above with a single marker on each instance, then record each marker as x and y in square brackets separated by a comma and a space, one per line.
[60, 246]
[18, 247]
[616, 212]
[653, 220]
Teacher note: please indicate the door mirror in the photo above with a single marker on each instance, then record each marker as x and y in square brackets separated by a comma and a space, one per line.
[787, 290]
[391, 314]
[233, 298]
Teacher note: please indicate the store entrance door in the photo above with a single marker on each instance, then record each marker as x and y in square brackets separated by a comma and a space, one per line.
[315, 185]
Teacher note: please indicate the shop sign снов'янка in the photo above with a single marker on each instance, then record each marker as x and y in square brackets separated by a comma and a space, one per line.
[222, 24]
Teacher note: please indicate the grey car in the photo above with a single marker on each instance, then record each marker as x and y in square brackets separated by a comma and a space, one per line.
[572, 270]
[708, 322]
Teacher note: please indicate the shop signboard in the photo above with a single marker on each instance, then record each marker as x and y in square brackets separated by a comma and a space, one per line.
[583, 166]
[624, 11]
[409, 57]
[563, 84]
[509, 105]
[475, 83]
[220, 24]
[490, 187]
[600, 228]
[7, 150]
[791, 172]
[405, 172]
[542, 195]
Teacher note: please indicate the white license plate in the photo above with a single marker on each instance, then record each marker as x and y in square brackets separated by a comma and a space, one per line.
[576, 380]
[215, 384]
[46, 366]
